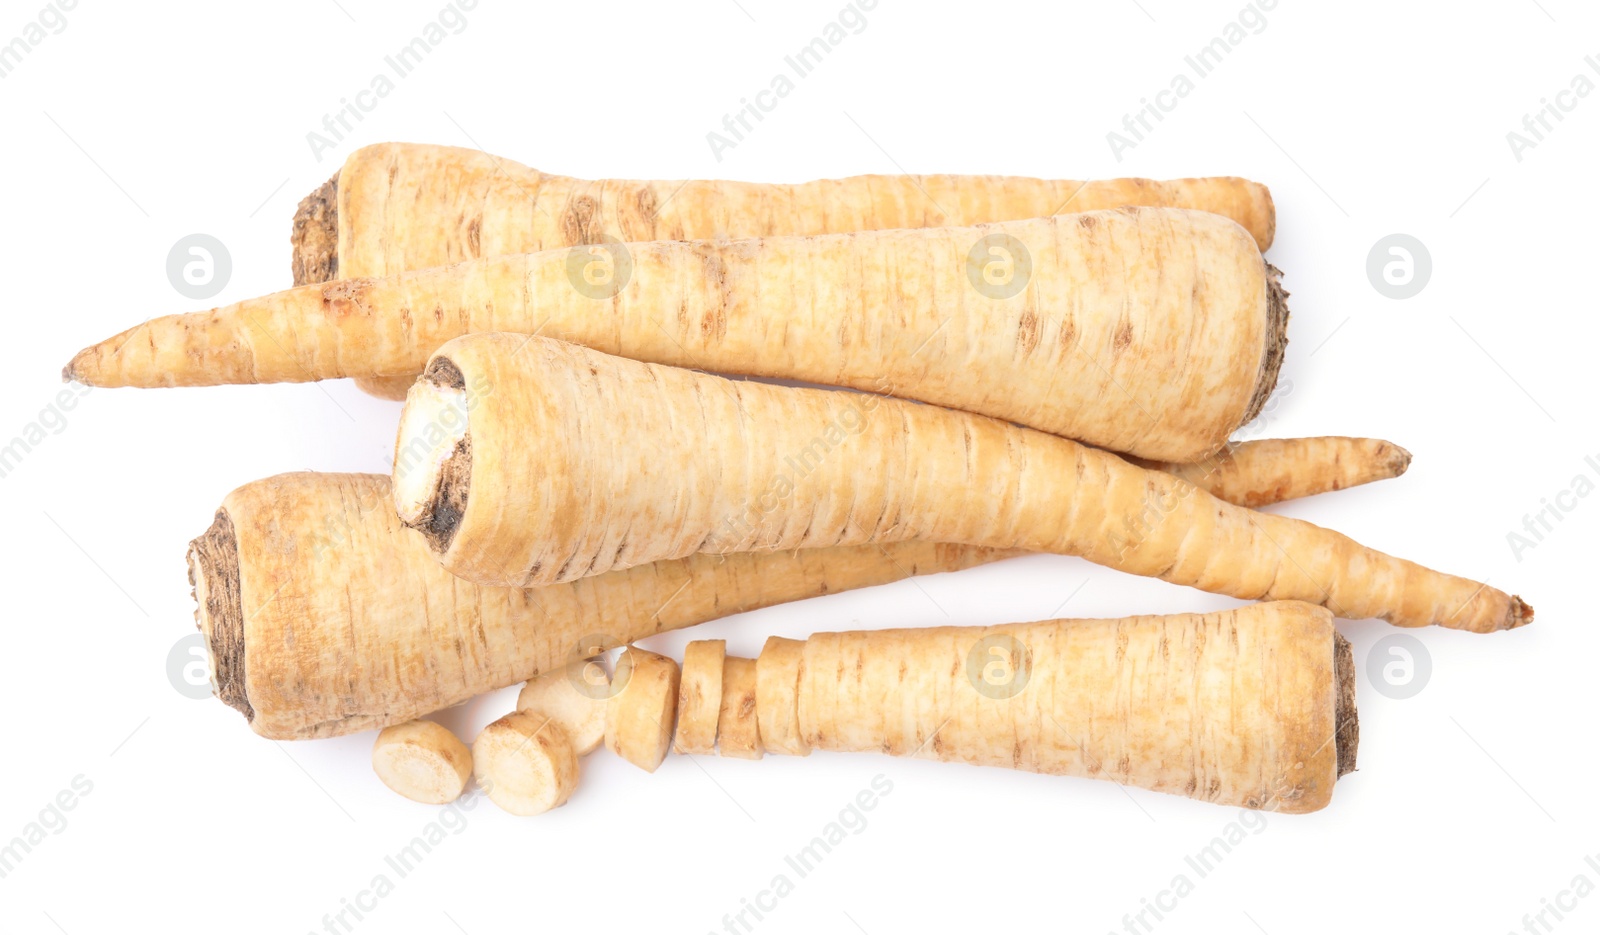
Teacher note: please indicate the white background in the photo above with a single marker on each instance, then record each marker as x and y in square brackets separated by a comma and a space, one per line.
[130, 129]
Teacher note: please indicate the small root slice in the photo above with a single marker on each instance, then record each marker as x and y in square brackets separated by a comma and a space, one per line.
[525, 763]
[738, 731]
[639, 715]
[777, 696]
[574, 697]
[422, 761]
[700, 697]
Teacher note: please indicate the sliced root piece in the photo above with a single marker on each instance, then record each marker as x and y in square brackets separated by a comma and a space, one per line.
[639, 715]
[526, 763]
[700, 697]
[777, 702]
[422, 761]
[575, 696]
[738, 732]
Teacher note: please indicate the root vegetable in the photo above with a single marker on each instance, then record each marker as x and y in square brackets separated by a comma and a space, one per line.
[738, 730]
[778, 673]
[401, 206]
[526, 763]
[1151, 331]
[422, 761]
[1252, 707]
[1272, 470]
[699, 697]
[580, 712]
[640, 712]
[322, 615]
[579, 462]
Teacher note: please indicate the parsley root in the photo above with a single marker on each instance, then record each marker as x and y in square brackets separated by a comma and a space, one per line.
[323, 616]
[402, 206]
[1151, 331]
[575, 463]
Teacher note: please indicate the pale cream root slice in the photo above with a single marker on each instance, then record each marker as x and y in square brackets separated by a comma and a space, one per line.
[700, 697]
[639, 714]
[575, 696]
[777, 703]
[738, 732]
[526, 763]
[422, 761]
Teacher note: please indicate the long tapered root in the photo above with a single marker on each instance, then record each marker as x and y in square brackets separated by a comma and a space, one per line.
[353, 625]
[1152, 331]
[402, 206]
[1272, 470]
[525, 763]
[637, 462]
[422, 761]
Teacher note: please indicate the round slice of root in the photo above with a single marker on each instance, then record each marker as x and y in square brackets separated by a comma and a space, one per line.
[640, 712]
[575, 695]
[700, 697]
[738, 733]
[778, 698]
[422, 761]
[525, 763]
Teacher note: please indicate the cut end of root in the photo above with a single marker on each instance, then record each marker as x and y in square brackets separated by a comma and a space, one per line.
[315, 235]
[219, 611]
[433, 455]
[1277, 340]
[1347, 727]
[1521, 613]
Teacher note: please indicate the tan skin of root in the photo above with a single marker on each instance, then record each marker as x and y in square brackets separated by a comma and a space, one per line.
[640, 712]
[577, 463]
[401, 206]
[777, 682]
[1271, 470]
[574, 695]
[699, 697]
[525, 763]
[1252, 707]
[324, 616]
[422, 761]
[738, 729]
[395, 207]
[1151, 331]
